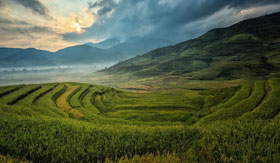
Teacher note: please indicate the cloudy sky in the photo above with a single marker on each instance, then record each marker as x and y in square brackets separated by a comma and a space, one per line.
[55, 24]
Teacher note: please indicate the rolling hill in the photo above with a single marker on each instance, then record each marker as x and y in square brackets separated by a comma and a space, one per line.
[247, 49]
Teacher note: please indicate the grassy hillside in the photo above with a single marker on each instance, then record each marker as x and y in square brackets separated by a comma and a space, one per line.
[249, 49]
[74, 122]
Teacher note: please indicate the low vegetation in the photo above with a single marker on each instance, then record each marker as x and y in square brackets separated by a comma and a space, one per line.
[73, 122]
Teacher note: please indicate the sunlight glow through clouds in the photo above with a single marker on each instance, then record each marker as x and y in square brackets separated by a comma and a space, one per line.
[27, 29]
[77, 23]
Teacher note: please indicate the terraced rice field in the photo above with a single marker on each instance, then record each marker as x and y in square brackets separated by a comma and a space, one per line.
[73, 122]
[62, 101]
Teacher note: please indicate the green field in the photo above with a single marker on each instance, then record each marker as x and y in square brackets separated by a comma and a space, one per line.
[75, 122]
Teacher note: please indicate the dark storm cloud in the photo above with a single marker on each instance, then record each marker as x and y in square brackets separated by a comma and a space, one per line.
[35, 6]
[26, 30]
[14, 27]
[2, 4]
[246, 3]
[104, 6]
[169, 19]
[4, 21]
[35, 29]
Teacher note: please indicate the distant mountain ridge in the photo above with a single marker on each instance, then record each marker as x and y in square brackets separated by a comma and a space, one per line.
[25, 57]
[83, 54]
[108, 43]
[136, 46]
[5, 52]
[250, 48]
[80, 54]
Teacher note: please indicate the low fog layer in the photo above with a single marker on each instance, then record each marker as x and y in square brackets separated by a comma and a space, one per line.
[49, 74]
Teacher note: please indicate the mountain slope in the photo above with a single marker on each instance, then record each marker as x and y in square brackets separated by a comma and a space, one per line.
[80, 54]
[5, 52]
[89, 53]
[108, 43]
[250, 48]
[137, 45]
[29, 57]
[86, 54]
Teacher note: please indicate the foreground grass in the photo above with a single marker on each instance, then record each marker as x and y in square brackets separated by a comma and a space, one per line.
[9, 159]
[52, 140]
